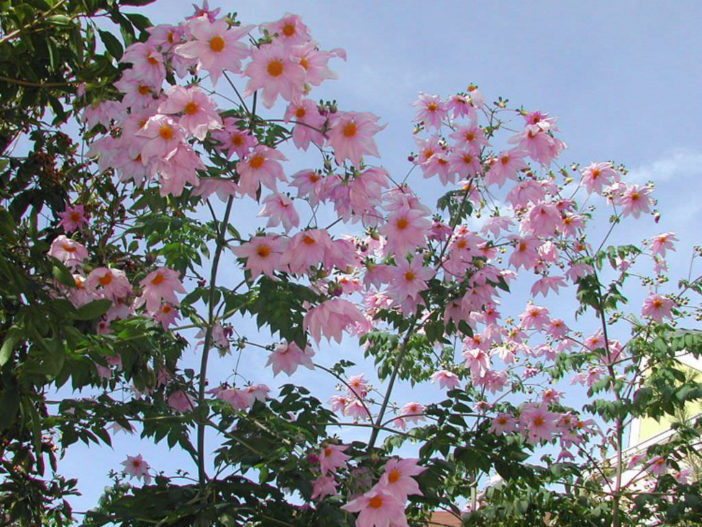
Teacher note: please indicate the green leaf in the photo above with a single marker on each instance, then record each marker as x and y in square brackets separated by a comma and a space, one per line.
[14, 335]
[112, 44]
[93, 310]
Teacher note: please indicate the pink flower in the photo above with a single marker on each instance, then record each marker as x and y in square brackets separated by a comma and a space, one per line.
[163, 136]
[308, 123]
[180, 401]
[198, 111]
[330, 318]
[289, 30]
[279, 208]
[262, 166]
[538, 423]
[73, 218]
[351, 136]
[397, 478]
[159, 286]
[535, 317]
[233, 139]
[273, 69]
[356, 409]
[357, 385]
[307, 248]
[430, 110]
[405, 230]
[412, 412]
[505, 166]
[446, 379]
[525, 252]
[378, 508]
[332, 457]
[595, 176]
[136, 467]
[546, 283]
[177, 169]
[262, 253]
[503, 424]
[215, 46]
[323, 486]
[68, 251]
[166, 315]
[109, 283]
[657, 466]
[659, 244]
[634, 200]
[657, 307]
[287, 357]
[147, 63]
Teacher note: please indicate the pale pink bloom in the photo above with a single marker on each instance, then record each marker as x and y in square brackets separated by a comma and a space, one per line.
[332, 457]
[233, 139]
[595, 176]
[68, 251]
[315, 62]
[556, 328]
[503, 423]
[525, 252]
[405, 230]
[338, 402]
[356, 409]
[73, 218]
[308, 123]
[147, 63]
[289, 30]
[262, 253]
[446, 379]
[287, 357]
[475, 96]
[634, 200]
[162, 137]
[166, 315]
[571, 225]
[461, 106]
[543, 219]
[538, 423]
[306, 249]
[159, 286]
[198, 111]
[464, 164]
[238, 399]
[330, 318]
[136, 467]
[378, 508]
[595, 341]
[357, 385]
[180, 401]
[470, 138]
[310, 185]
[496, 224]
[535, 317]
[578, 270]
[102, 113]
[408, 279]
[177, 169]
[546, 283]
[261, 167]
[478, 361]
[659, 244]
[165, 36]
[274, 70]
[657, 307]
[258, 392]
[431, 110]
[223, 188]
[216, 46]
[138, 94]
[541, 145]
[351, 136]
[427, 147]
[109, 283]
[279, 208]
[439, 165]
[412, 412]
[323, 486]
[505, 166]
[657, 466]
[397, 478]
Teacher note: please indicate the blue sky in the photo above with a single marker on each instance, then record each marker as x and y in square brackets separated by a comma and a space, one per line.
[622, 77]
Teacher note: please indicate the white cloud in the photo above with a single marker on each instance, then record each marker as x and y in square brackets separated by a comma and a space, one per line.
[674, 166]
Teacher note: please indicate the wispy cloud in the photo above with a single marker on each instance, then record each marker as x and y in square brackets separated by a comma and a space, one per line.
[673, 166]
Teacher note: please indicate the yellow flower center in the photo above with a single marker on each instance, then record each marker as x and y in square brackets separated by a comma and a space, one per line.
[393, 476]
[156, 280]
[166, 132]
[105, 279]
[256, 161]
[263, 251]
[191, 108]
[375, 502]
[349, 129]
[217, 44]
[275, 68]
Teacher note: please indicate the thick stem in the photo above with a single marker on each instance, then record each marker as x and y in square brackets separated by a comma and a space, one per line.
[202, 406]
[383, 407]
